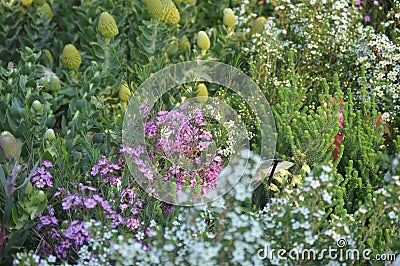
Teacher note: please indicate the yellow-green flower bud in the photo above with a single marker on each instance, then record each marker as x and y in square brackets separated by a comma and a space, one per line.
[184, 44]
[9, 146]
[70, 57]
[124, 93]
[258, 26]
[39, 2]
[37, 105]
[54, 83]
[172, 49]
[50, 135]
[107, 25]
[155, 8]
[44, 83]
[229, 18]
[46, 9]
[202, 93]
[170, 12]
[203, 42]
[26, 2]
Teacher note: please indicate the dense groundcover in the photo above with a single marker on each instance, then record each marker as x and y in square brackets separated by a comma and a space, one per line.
[112, 154]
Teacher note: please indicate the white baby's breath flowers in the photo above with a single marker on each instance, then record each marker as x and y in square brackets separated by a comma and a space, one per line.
[326, 197]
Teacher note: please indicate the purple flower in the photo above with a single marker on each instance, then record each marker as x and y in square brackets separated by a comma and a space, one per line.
[47, 164]
[367, 19]
[134, 211]
[90, 203]
[123, 206]
[183, 106]
[95, 170]
[48, 220]
[103, 161]
[174, 169]
[67, 202]
[207, 134]
[358, 4]
[60, 190]
[79, 240]
[149, 232]
[42, 178]
[150, 128]
[84, 187]
[133, 223]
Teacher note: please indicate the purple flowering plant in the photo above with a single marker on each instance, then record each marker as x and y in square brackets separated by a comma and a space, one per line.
[181, 145]
[64, 228]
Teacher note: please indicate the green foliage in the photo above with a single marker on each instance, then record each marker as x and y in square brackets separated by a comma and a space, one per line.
[19, 89]
[23, 27]
[315, 61]
[20, 206]
[305, 134]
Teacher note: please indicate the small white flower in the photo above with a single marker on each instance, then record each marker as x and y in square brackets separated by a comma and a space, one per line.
[153, 223]
[140, 235]
[362, 210]
[392, 215]
[324, 177]
[51, 259]
[296, 225]
[326, 197]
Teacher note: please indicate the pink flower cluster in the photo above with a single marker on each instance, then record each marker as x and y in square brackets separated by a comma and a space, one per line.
[177, 139]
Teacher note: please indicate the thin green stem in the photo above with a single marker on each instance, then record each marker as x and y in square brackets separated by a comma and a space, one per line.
[106, 48]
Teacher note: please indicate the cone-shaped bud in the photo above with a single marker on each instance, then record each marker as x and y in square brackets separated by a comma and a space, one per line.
[155, 8]
[170, 12]
[124, 93]
[203, 42]
[9, 146]
[54, 83]
[172, 49]
[44, 83]
[37, 106]
[70, 57]
[229, 18]
[184, 44]
[27, 2]
[50, 135]
[202, 93]
[46, 9]
[107, 25]
[258, 26]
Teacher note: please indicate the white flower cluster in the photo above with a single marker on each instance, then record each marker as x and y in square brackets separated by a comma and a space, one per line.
[294, 220]
[381, 59]
[224, 232]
